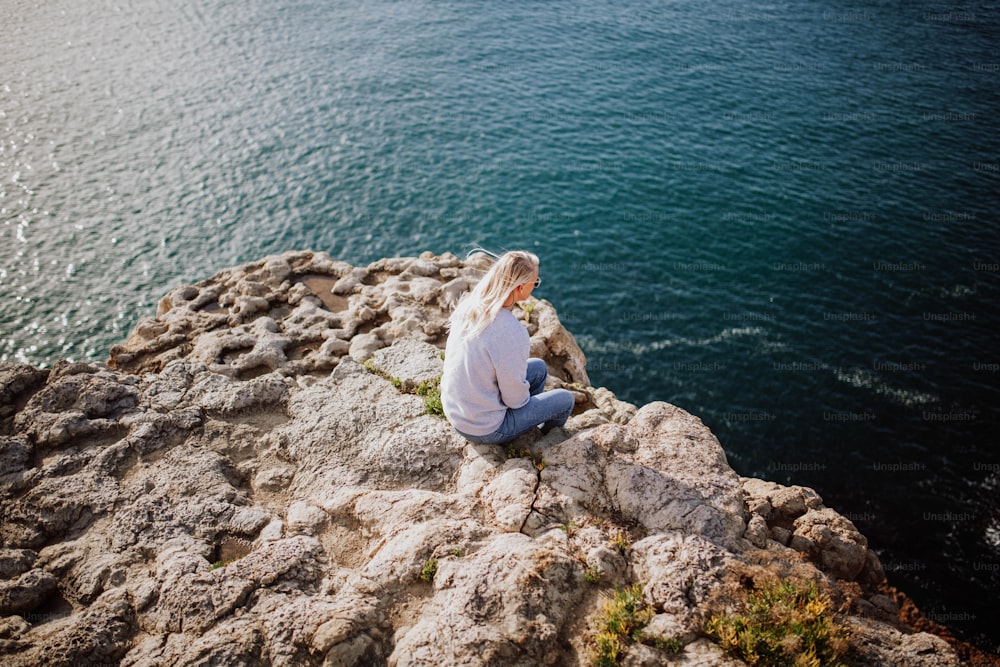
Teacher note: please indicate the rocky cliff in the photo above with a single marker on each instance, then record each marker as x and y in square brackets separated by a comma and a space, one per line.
[253, 479]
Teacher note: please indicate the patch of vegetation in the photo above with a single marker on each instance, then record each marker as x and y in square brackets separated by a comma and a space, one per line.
[536, 459]
[569, 528]
[528, 307]
[223, 563]
[592, 574]
[375, 370]
[787, 623]
[429, 570]
[619, 540]
[429, 390]
[665, 644]
[621, 623]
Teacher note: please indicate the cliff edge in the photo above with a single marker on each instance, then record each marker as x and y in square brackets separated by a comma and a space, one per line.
[255, 479]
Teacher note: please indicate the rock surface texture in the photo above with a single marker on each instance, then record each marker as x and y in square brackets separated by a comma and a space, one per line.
[248, 481]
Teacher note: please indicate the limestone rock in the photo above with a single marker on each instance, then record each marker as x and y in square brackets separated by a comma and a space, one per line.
[410, 361]
[503, 604]
[98, 634]
[16, 381]
[796, 517]
[15, 562]
[249, 481]
[511, 494]
[840, 548]
[25, 593]
[694, 489]
[681, 571]
[880, 644]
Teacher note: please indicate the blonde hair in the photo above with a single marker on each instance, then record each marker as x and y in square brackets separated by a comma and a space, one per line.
[480, 306]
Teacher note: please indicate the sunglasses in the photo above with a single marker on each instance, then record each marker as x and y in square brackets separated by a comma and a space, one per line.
[538, 281]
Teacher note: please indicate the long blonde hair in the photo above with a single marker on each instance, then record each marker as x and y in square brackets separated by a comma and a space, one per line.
[480, 306]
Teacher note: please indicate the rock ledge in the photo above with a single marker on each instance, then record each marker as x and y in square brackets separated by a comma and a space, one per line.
[235, 487]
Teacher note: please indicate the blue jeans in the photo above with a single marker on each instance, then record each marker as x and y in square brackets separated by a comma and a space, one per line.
[548, 408]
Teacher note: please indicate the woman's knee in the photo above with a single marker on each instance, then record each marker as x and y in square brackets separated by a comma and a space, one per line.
[561, 401]
[567, 397]
[537, 373]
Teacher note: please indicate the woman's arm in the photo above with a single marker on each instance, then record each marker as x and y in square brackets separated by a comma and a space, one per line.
[508, 347]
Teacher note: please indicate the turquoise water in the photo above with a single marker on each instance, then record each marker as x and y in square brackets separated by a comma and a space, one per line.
[780, 216]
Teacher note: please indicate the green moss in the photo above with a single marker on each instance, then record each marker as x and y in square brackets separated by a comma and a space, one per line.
[788, 623]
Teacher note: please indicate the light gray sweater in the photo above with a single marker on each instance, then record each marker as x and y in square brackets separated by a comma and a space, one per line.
[485, 374]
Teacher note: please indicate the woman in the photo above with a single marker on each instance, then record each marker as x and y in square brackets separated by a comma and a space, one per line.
[490, 390]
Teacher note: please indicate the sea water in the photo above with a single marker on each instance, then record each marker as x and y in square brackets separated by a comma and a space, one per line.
[780, 216]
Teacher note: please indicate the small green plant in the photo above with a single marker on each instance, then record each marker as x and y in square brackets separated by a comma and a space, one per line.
[621, 623]
[592, 574]
[665, 644]
[429, 570]
[569, 528]
[619, 540]
[375, 370]
[429, 390]
[536, 460]
[788, 623]
[609, 647]
[223, 563]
